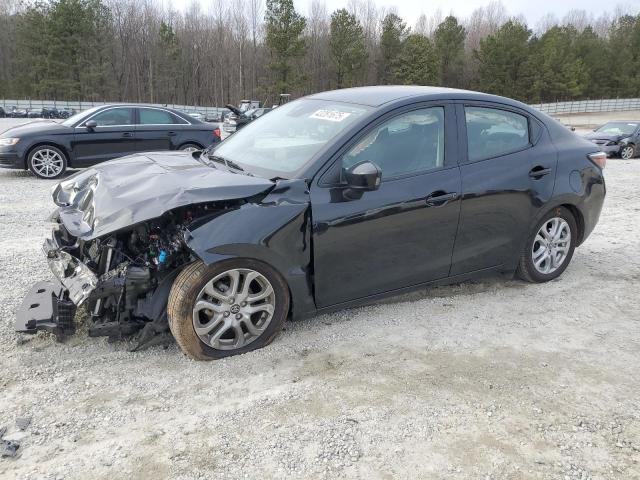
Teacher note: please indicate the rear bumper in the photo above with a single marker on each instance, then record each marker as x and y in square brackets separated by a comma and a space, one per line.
[46, 308]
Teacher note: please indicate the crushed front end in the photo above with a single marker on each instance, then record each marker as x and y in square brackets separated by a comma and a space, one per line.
[123, 278]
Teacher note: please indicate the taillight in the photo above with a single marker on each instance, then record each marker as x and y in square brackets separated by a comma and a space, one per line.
[216, 132]
[599, 158]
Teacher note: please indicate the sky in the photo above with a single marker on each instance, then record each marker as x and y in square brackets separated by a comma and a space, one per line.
[532, 10]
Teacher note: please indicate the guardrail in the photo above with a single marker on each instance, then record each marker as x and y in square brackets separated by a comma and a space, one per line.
[590, 106]
[79, 106]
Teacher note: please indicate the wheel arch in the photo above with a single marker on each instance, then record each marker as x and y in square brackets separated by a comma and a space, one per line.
[275, 231]
[190, 142]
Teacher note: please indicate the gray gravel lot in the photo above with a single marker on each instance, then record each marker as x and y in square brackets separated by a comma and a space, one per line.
[492, 379]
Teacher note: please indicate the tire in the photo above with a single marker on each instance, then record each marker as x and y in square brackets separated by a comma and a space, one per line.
[537, 244]
[195, 287]
[47, 162]
[190, 147]
[628, 152]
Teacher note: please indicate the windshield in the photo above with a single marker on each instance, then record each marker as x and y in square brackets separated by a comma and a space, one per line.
[618, 128]
[73, 119]
[288, 138]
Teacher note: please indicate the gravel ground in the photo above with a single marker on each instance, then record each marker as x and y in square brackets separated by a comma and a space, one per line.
[491, 379]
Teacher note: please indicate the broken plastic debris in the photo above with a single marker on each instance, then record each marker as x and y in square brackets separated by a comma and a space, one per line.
[23, 422]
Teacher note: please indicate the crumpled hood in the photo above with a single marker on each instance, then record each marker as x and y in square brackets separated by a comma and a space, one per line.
[604, 136]
[120, 193]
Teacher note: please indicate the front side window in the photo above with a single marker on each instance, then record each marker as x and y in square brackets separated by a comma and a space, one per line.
[492, 132]
[114, 117]
[289, 137]
[409, 143]
[151, 116]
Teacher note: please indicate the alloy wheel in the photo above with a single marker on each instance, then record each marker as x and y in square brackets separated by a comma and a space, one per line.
[47, 163]
[233, 309]
[627, 152]
[551, 245]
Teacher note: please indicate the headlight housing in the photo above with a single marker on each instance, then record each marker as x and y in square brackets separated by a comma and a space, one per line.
[6, 142]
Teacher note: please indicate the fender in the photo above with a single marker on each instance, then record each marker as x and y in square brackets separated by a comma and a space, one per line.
[275, 230]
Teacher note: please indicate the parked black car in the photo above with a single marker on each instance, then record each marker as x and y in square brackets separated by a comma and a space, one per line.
[15, 112]
[330, 201]
[2, 113]
[99, 134]
[617, 138]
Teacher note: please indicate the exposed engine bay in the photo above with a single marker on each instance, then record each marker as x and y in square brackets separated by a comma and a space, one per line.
[123, 278]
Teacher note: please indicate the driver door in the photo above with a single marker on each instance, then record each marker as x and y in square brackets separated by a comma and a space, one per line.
[401, 234]
[113, 137]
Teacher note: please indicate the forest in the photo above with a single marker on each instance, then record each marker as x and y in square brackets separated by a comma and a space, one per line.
[140, 51]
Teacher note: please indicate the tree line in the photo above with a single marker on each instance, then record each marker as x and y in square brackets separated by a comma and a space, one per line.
[135, 50]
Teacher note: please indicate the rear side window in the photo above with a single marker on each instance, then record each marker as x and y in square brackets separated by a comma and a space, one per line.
[151, 116]
[492, 132]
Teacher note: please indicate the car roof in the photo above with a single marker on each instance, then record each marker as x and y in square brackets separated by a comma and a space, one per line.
[377, 96]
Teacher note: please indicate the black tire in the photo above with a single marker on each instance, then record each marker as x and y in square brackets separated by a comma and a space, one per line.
[190, 146]
[38, 170]
[184, 293]
[628, 152]
[526, 268]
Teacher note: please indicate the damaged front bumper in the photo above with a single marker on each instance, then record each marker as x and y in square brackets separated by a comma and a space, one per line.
[51, 305]
[46, 307]
[79, 280]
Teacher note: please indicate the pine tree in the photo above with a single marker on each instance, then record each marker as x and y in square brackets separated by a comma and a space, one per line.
[418, 62]
[502, 61]
[449, 41]
[394, 32]
[347, 48]
[284, 38]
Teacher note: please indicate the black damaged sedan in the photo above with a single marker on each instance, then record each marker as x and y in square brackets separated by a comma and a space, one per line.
[330, 201]
[48, 148]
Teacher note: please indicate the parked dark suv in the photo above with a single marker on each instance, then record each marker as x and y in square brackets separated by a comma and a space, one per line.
[98, 134]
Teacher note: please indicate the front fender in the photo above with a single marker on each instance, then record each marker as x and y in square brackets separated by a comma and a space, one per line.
[275, 230]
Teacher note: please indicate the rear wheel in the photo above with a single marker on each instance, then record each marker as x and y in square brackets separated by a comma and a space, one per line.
[628, 152]
[550, 247]
[228, 308]
[190, 147]
[47, 161]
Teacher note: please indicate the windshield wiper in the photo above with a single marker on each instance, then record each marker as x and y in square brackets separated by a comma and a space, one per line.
[230, 164]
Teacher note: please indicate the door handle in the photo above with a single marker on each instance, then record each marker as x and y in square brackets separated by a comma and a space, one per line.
[438, 199]
[539, 172]
[127, 134]
[172, 134]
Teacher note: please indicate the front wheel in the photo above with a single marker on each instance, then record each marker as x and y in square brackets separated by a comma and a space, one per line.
[227, 308]
[47, 161]
[627, 152]
[549, 248]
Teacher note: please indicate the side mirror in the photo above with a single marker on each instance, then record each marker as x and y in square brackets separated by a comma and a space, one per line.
[364, 176]
[91, 124]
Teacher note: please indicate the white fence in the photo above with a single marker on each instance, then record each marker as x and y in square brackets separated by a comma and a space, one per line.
[590, 106]
[581, 106]
[79, 106]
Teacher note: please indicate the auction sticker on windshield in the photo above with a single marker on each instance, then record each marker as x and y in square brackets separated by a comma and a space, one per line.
[331, 115]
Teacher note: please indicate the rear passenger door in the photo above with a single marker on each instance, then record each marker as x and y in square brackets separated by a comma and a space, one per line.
[507, 175]
[158, 129]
